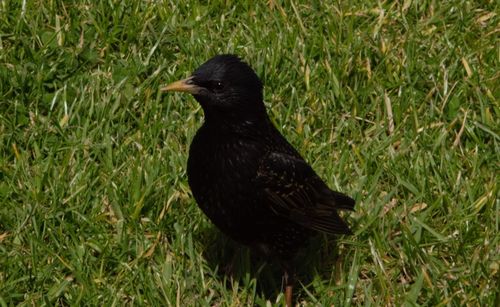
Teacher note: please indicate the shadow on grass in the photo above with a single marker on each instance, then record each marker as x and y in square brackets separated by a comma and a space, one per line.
[233, 261]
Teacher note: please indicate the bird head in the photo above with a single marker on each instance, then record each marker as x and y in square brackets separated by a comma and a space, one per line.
[225, 86]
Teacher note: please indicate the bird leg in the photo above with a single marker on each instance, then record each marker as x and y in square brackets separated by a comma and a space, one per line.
[288, 295]
[228, 269]
[288, 287]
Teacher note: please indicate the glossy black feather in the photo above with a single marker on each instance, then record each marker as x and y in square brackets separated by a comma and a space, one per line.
[245, 176]
[297, 193]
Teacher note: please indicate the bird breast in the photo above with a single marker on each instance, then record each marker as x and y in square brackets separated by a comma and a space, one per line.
[220, 172]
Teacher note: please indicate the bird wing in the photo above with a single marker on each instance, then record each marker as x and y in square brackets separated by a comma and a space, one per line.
[294, 191]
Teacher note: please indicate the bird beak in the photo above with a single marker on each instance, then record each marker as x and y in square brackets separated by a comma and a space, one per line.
[185, 85]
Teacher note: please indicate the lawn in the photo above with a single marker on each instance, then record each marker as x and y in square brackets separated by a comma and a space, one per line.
[395, 103]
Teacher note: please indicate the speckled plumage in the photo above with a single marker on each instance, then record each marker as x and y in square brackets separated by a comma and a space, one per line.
[245, 176]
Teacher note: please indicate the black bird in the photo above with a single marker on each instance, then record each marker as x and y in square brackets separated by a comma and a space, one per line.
[245, 176]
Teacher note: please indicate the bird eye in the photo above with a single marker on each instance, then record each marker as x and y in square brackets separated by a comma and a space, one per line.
[217, 85]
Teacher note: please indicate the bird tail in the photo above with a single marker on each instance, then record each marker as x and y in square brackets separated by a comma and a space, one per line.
[332, 223]
[343, 202]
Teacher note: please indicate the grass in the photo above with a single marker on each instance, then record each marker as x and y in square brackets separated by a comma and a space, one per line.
[393, 102]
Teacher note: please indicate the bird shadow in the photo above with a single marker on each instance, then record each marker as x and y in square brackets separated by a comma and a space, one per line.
[233, 262]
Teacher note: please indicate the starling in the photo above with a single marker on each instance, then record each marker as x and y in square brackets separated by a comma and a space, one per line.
[245, 176]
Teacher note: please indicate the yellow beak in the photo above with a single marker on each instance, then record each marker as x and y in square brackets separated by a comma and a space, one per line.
[184, 85]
